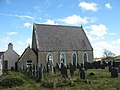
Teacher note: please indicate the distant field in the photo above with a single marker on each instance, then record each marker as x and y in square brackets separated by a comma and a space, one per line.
[100, 81]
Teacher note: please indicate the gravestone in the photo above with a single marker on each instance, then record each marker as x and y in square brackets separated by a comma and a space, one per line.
[82, 74]
[71, 70]
[33, 70]
[102, 66]
[63, 70]
[110, 67]
[78, 65]
[114, 64]
[74, 66]
[114, 72]
[47, 67]
[80, 68]
[30, 71]
[0, 68]
[82, 65]
[41, 77]
[119, 69]
[99, 64]
[109, 63]
[96, 65]
[54, 70]
[86, 65]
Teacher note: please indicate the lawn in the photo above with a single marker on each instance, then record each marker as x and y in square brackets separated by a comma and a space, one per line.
[101, 80]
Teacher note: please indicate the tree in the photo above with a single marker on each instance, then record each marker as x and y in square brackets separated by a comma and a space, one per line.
[108, 54]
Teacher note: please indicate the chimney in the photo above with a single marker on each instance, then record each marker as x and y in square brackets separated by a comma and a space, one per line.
[10, 46]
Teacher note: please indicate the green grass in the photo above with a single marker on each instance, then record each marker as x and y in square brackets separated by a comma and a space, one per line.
[100, 81]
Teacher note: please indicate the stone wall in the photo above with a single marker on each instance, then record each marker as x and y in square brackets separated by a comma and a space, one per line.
[56, 57]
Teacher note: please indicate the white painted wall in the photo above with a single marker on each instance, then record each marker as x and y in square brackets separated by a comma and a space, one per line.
[11, 56]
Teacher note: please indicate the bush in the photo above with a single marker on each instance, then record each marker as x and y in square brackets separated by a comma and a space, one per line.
[11, 82]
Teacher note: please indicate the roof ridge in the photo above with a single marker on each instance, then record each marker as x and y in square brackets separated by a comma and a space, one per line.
[57, 25]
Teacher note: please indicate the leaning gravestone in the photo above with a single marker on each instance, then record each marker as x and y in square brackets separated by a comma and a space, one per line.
[114, 72]
[82, 74]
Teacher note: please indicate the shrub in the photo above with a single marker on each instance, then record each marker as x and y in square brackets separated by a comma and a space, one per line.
[11, 82]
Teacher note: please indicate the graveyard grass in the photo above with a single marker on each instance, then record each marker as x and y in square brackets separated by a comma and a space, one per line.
[100, 81]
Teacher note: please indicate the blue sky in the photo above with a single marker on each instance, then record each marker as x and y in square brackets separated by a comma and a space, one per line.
[100, 20]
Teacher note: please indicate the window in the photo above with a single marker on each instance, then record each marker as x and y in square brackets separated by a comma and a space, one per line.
[85, 57]
[29, 63]
[49, 61]
[74, 59]
[62, 58]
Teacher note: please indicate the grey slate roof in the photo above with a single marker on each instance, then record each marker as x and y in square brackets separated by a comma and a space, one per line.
[60, 38]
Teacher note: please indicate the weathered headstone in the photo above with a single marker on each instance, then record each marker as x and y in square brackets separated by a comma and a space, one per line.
[33, 70]
[71, 70]
[0, 68]
[110, 67]
[102, 66]
[80, 68]
[113, 63]
[47, 67]
[109, 63]
[54, 70]
[86, 65]
[119, 68]
[74, 66]
[41, 77]
[99, 64]
[63, 70]
[30, 71]
[78, 65]
[57, 66]
[96, 65]
[82, 65]
[114, 72]
[82, 74]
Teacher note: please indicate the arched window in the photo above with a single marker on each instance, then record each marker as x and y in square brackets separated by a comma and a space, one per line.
[85, 57]
[74, 59]
[62, 58]
[49, 61]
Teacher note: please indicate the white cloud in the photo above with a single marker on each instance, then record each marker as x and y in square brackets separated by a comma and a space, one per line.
[19, 16]
[29, 41]
[11, 33]
[76, 20]
[112, 46]
[112, 33]
[108, 5]
[116, 41]
[98, 30]
[27, 24]
[88, 6]
[49, 21]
